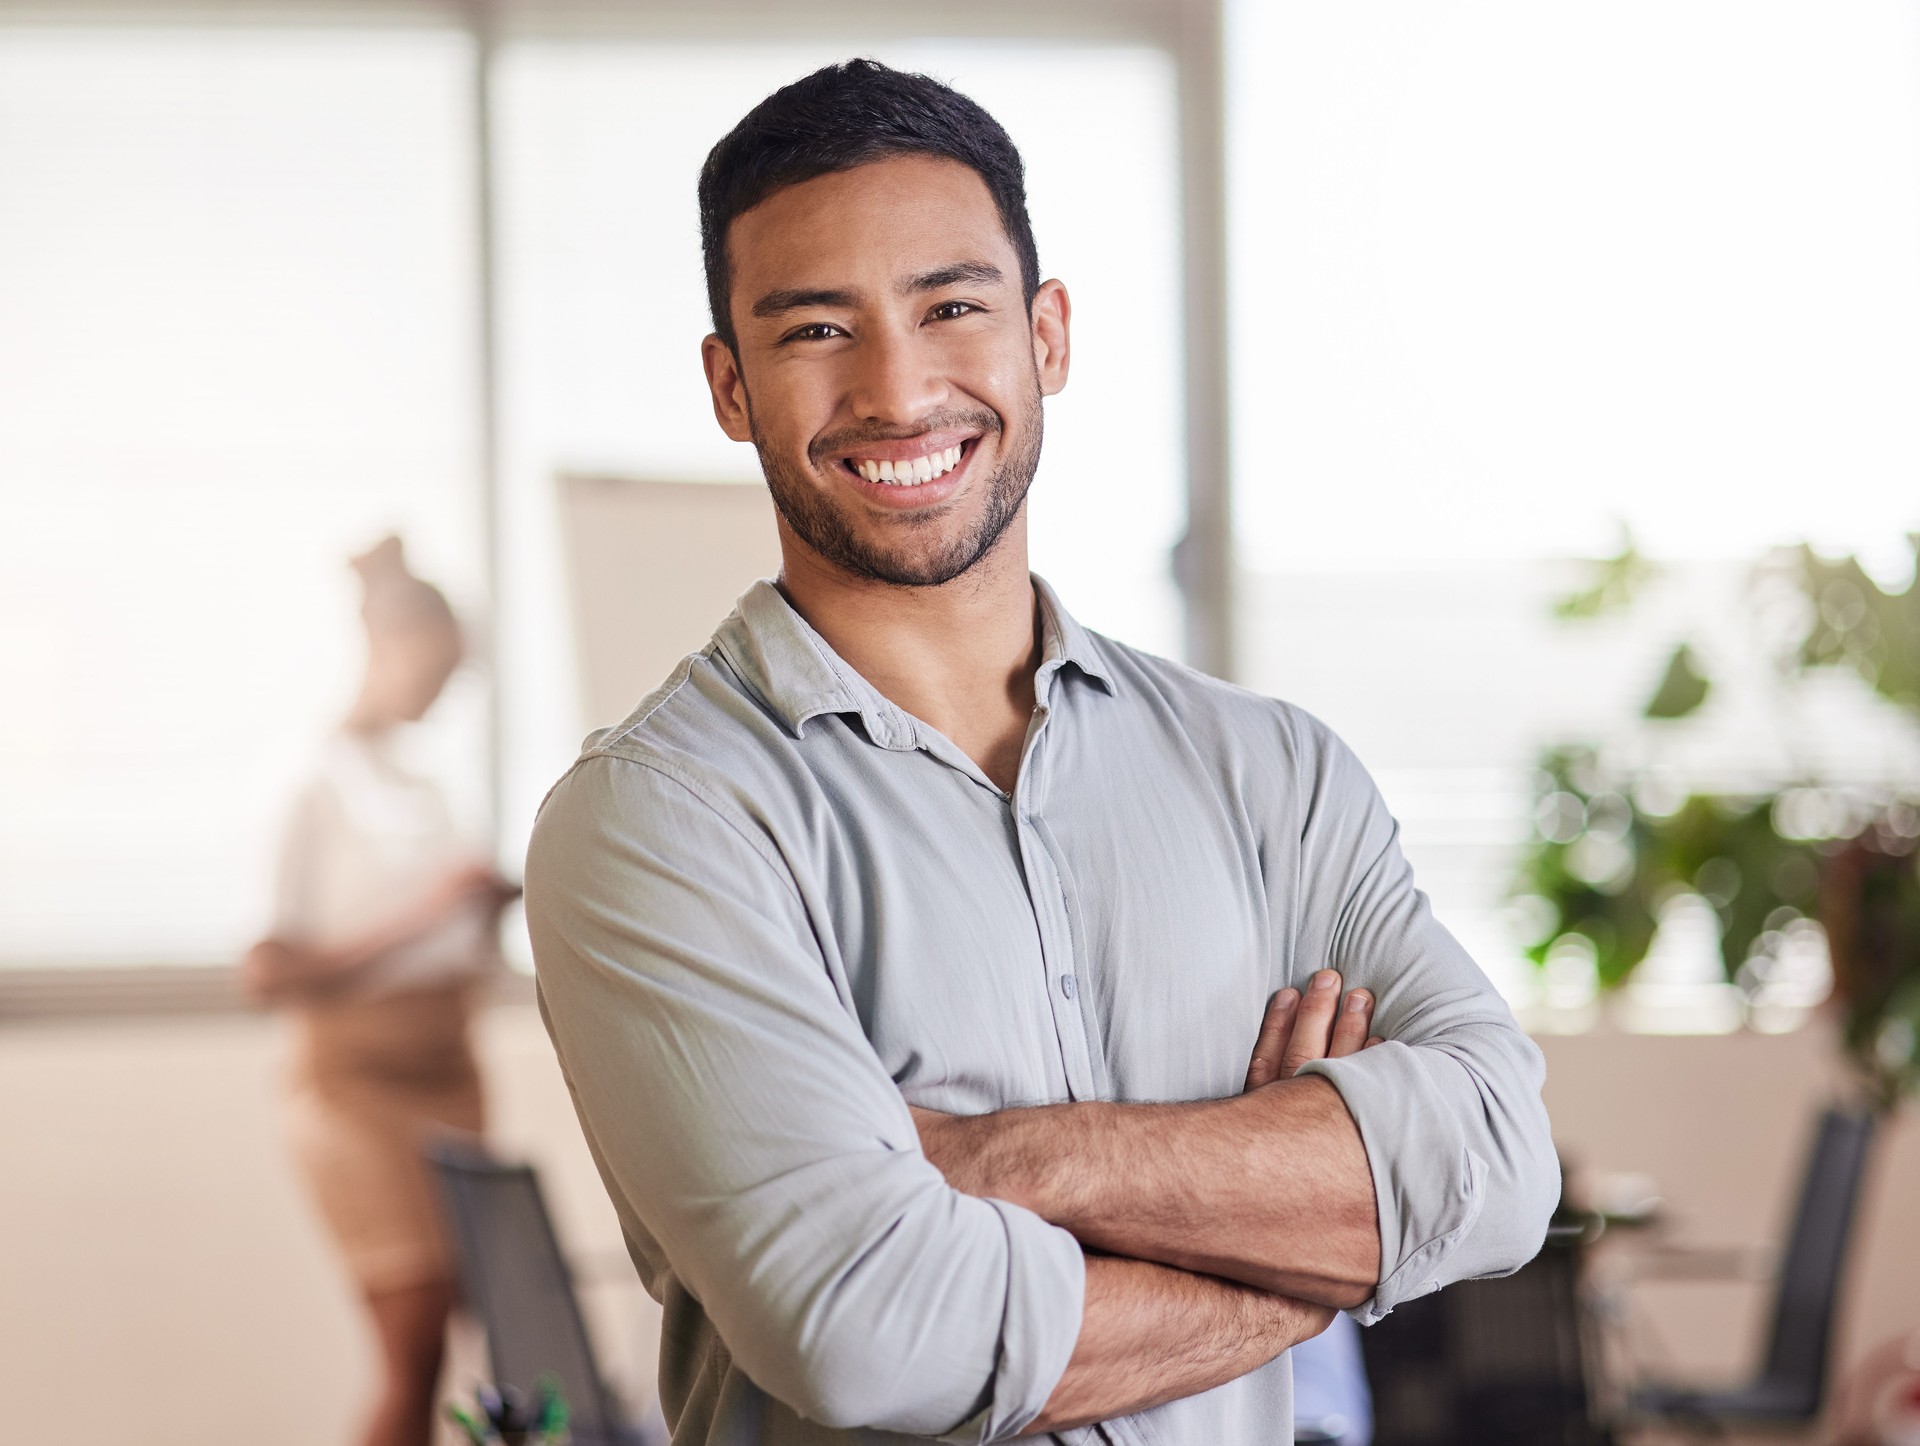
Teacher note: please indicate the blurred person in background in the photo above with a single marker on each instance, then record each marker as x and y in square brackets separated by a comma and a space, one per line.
[385, 921]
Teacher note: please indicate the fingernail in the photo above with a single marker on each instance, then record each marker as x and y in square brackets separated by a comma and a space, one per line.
[1357, 1001]
[1325, 979]
[1287, 998]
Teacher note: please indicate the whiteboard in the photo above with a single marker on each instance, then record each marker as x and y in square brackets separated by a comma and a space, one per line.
[653, 567]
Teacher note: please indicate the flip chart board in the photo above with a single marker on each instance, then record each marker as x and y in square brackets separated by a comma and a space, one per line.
[653, 567]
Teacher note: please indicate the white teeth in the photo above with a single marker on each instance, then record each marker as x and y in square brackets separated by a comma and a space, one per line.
[913, 473]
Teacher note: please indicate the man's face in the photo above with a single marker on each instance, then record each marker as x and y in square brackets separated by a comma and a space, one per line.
[888, 370]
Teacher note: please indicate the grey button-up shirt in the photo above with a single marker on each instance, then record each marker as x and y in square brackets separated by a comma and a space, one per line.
[770, 909]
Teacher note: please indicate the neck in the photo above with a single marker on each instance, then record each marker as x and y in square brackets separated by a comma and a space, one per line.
[960, 656]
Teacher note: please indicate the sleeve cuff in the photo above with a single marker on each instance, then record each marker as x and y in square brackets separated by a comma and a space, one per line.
[1046, 1293]
[1427, 1184]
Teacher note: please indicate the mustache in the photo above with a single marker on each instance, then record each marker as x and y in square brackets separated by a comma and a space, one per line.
[946, 419]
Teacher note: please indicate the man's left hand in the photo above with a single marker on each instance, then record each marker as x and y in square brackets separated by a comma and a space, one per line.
[1319, 1025]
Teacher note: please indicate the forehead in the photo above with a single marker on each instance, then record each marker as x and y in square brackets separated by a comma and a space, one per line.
[869, 226]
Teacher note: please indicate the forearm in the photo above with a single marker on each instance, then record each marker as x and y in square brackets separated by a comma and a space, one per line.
[281, 969]
[1151, 1334]
[1270, 1188]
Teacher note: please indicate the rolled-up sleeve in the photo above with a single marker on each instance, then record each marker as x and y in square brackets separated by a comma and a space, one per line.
[743, 1122]
[1449, 1109]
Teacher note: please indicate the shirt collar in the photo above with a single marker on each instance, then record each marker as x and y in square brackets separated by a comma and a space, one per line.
[1063, 640]
[799, 676]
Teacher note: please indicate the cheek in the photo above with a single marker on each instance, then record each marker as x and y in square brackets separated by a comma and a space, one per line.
[998, 373]
[792, 404]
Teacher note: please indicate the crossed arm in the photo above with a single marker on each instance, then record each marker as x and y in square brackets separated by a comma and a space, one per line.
[1033, 1268]
[1231, 1228]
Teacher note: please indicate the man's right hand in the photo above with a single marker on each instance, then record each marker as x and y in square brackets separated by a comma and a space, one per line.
[1319, 1025]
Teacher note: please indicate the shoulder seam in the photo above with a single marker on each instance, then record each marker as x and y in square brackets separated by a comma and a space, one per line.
[768, 855]
[653, 703]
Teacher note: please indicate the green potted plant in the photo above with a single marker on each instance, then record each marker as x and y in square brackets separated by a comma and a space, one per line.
[1799, 870]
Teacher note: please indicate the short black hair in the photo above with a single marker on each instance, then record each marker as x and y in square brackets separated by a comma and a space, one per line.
[844, 116]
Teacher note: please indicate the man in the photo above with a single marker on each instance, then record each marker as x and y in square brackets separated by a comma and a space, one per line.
[951, 997]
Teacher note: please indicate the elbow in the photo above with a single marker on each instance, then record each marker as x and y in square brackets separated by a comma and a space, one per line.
[849, 1373]
[847, 1389]
[1532, 1195]
[1538, 1185]
[1541, 1194]
[837, 1387]
[1524, 1188]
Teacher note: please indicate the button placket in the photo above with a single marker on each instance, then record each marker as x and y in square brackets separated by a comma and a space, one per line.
[1045, 892]
[1044, 887]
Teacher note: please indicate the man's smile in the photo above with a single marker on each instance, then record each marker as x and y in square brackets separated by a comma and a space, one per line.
[903, 473]
[910, 463]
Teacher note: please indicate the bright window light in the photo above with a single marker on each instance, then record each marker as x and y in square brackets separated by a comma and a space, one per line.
[235, 344]
[1507, 274]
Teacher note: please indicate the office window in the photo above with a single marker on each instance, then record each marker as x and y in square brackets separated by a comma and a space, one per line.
[1509, 276]
[236, 341]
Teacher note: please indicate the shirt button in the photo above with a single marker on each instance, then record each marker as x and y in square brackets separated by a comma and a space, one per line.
[1067, 986]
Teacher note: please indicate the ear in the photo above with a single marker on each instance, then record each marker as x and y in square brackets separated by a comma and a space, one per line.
[728, 387]
[1052, 314]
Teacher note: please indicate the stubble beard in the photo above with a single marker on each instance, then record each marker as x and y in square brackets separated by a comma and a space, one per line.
[825, 525]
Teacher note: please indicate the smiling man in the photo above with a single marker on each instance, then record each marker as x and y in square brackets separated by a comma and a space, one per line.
[952, 997]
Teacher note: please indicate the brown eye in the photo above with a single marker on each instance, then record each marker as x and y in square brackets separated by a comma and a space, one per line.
[950, 310]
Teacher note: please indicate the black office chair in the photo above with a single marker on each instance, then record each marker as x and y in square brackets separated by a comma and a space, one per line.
[517, 1282]
[1489, 1362]
[1791, 1387]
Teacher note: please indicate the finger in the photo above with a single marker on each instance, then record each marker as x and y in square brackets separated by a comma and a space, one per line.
[1350, 1029]
[1312, 1023]
[1264, 1068]
[1372, 1041]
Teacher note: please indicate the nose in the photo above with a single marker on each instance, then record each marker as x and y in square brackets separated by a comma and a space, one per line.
[896, 378]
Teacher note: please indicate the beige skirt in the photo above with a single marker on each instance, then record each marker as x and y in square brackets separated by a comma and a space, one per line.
[373, 1080]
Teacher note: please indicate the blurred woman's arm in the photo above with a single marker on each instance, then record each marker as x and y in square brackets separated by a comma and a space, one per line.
[276, 970]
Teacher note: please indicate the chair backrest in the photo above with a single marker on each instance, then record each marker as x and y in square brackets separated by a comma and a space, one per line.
[517, 1282]
[1488, 1362]
[1815, 1256]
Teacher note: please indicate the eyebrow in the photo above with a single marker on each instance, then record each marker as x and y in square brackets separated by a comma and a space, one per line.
[984, 273]
[774, 303]
[778, 303]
